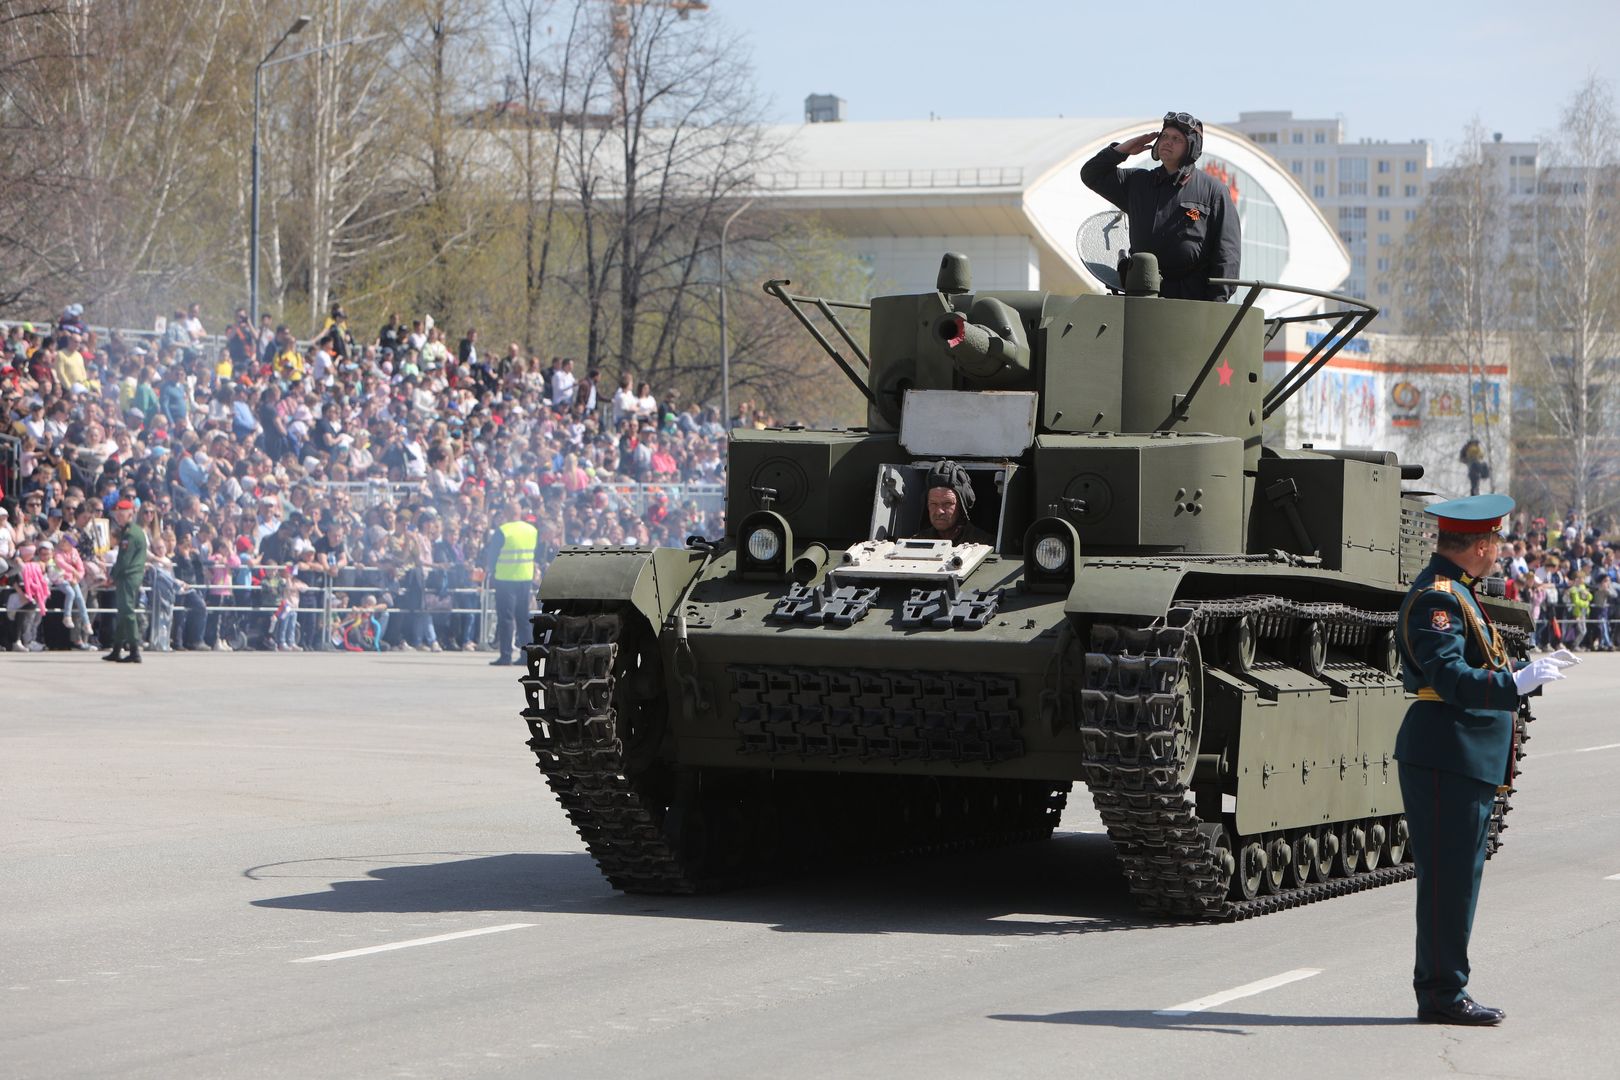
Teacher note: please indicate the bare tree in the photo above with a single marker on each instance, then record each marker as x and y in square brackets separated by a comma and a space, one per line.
[1457, 271]
[1577, 332]
[34, 181]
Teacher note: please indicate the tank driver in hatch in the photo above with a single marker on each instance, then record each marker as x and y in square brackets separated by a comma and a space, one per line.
[1178, 213]
[950, 497]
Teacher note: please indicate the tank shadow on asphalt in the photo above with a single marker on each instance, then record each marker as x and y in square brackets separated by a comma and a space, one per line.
[1215, 1023]
[1070, 884]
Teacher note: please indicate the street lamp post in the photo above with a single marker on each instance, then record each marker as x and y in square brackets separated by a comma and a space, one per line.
[253, 242]
[725, 338]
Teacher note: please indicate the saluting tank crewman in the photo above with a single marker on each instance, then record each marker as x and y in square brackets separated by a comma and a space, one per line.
[950, 497]
[1456, 745]
[1181, 215]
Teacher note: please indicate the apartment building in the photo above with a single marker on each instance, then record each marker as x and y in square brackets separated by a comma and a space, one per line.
[1369, 190]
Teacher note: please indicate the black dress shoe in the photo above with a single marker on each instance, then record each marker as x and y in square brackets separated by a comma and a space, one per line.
[1467, 1012]
[116, 655]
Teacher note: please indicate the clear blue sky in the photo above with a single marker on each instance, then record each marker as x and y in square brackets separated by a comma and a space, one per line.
[1415, 70]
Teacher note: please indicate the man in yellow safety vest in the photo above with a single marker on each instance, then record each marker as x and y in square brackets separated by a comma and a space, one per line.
[509, 560]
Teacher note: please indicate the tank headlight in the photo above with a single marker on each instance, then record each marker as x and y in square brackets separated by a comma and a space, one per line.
[764, 544]
[1051, 553]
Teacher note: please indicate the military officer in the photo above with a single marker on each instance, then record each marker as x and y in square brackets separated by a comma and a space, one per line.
[1455, 747]
[127, 571]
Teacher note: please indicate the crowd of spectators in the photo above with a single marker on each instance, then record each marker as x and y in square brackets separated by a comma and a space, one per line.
[1568, 572]
[330, 475]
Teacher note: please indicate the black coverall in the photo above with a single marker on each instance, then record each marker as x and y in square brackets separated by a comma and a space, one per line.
[1192, 228]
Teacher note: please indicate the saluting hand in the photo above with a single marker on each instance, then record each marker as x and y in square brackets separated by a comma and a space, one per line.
[1131, 147]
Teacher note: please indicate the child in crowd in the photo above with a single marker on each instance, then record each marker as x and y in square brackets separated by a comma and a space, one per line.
[284, 622]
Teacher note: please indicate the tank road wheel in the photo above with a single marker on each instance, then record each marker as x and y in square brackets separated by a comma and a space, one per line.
[1399, 834]
[1250, 874]
[1327, 852]
[1238, 645]
[1278, 856]
[1310, 648]
[1219, 844]
[1189, 730]
[1383, 654]
[1377, 843]
[1301, 858]
[1352, 846]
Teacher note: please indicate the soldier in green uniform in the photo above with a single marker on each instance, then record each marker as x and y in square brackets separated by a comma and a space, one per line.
[127, 571]
[1455, 747]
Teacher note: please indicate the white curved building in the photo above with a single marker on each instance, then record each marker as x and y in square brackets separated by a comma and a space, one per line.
[1007, 193]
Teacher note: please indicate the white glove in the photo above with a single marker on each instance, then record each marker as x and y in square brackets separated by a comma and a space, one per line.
[1537, 673]
[1563, 658]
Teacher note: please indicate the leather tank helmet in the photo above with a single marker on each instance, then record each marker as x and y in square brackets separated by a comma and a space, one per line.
[1190, 126]
[948, 474]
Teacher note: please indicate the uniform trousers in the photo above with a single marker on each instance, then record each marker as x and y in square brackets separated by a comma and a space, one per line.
[1448, 816]
[511, 615]
[127, 597]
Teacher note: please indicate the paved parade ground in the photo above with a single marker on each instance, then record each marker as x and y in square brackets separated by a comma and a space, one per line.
[348, 866]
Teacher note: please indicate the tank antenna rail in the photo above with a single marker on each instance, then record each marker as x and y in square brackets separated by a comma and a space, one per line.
[1350, 319]
[778, 289]
[1135, 706]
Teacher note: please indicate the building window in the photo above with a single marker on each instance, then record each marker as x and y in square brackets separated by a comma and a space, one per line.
[1318, 192]
[1410, 166]
[1383, 262]
[1299, 136]
[1383, 288]
[1297, 168]
[1383, 166]
[1383, 191]
[1411, 191]
[1352, 187]
[1321, 137]
[1383, 239]
[1353, 168]
[1410, 216]
[1318, 166]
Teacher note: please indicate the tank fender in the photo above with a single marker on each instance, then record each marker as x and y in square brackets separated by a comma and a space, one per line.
[652, 581]
[1104, 587]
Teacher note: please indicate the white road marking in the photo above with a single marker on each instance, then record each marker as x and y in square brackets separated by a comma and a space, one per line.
[1582, 750]
[1021, 918]
[1612, 877]
[1246, 990]
[391, 946]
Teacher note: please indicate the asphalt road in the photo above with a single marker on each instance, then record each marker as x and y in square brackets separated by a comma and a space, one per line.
[199, 859]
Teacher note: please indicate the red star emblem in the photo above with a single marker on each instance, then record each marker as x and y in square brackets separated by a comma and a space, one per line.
[1225, 372]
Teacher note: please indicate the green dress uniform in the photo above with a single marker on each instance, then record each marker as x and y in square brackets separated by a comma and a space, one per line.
[127, 571]
[1454, 750]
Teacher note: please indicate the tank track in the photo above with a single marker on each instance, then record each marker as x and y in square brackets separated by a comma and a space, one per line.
[639, 825]
[1132, 708]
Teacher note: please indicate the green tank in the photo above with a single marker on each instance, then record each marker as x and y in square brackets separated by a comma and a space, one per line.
[1196, 628]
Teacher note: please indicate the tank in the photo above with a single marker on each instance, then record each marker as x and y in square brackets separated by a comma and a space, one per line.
[1195, 628]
